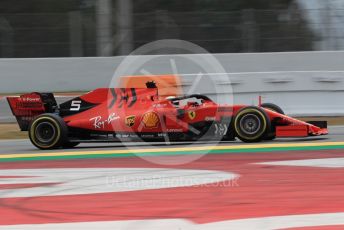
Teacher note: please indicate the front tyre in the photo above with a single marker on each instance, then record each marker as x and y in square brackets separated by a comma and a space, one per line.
[272, 133]
[48, 131]
[273, 107]
[251, 124]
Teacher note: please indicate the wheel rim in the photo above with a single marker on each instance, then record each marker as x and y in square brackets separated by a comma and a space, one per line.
[250, 124]
[45, 132]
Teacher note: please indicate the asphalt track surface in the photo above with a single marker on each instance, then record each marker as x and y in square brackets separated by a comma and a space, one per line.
[24, 146]
[297, 185]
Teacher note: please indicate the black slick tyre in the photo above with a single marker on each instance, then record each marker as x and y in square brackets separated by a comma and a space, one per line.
[251, 124]
[272, 134]
[48, 131]
[273, 107]
[70, 145]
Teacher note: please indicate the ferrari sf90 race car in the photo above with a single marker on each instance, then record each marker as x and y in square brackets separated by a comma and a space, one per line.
[127, 114]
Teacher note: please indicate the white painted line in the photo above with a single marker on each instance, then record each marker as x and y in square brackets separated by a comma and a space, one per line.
[279, 222]
[263, 223]
[322, 163]
[71, 181]
[166, 224]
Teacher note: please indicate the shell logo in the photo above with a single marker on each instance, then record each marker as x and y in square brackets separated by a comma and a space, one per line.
[150, 120]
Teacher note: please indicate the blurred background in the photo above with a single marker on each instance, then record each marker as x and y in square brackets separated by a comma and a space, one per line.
[79, 28]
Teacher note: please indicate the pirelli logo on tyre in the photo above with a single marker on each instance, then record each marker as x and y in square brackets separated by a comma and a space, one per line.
[150, 120]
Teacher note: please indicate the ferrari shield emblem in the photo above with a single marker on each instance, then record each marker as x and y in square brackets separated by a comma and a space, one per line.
[192, 115]
[130, 121]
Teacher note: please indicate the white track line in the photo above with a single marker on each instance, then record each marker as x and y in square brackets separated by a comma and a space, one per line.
[71, 181]
[263, 223]
[322, 163]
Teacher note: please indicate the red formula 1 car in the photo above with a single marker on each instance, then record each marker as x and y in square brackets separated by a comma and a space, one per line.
[128, 114]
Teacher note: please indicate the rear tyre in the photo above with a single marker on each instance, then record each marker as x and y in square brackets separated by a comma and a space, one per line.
[251, 124]
[48, 131]
[70, 145]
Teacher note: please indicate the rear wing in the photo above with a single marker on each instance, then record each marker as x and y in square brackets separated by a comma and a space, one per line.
[28, 106]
